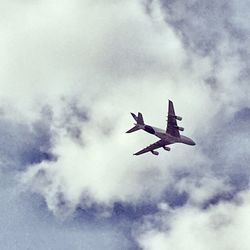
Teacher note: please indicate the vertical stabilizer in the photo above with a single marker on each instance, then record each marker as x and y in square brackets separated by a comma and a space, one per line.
[139, 122]
[134, 116]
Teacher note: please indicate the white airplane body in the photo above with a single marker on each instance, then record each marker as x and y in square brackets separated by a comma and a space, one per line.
[169, 136]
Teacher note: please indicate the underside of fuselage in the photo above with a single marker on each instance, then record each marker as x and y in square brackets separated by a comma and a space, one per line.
[160, 133]
[170, 139]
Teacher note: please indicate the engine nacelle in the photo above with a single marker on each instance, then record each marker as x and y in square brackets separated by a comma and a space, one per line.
[166, 148]
[180, 128]
[154, 152]
[179, 118]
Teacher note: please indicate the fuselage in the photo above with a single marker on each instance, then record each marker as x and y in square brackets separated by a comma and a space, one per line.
[162, 134]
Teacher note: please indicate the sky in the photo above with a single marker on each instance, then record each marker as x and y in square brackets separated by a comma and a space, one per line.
[70, 74]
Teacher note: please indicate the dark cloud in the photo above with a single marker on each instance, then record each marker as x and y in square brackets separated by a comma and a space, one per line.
[214, 29]
[23, 144]
[220, 197]
[203, 25]
[227, 147]
[176, 199]
[72, 118]
[132, 212]
[27, 224]
[200, 23]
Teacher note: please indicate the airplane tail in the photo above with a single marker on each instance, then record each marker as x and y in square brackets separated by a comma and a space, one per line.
[139, 123]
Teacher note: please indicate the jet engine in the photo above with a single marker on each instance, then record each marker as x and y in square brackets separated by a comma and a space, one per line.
[154, 152]
[180, 128]
[179, 118]
[166, 148]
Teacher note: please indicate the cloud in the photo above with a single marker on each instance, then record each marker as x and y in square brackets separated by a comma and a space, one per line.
[27, 224]
[70, 75]
[215, 30]
[23, 144]
[222, 226]
[94, 154]
[122, 67]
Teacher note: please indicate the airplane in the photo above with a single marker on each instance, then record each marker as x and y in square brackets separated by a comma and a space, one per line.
[169, 136]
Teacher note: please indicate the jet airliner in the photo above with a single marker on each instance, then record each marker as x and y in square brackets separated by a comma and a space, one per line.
[169, 136]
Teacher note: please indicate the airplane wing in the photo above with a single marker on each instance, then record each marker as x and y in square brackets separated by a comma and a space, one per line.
[172, 127]
[153, 146]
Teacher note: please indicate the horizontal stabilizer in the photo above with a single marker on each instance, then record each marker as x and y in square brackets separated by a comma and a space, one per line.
[135, 128]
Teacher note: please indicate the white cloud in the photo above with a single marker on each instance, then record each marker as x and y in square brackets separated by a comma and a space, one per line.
[106, 59]
[202, 188]
[109, 58]
[110, 62]
[223, 227]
